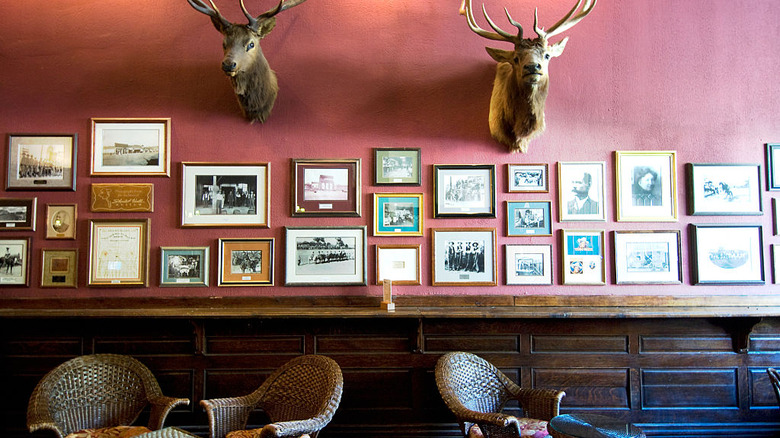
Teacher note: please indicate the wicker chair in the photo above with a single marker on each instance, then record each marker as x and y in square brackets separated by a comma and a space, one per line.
[95, 392]
[774, 377]
[300, 398]
[476, 392]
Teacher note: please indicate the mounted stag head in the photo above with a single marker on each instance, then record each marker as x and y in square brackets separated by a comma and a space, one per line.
[521, 84]
[253, 80]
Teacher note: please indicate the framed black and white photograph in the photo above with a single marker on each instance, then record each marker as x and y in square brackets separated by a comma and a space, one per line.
[15, 261]
[398, 214]
[246, 262]
[582, 191]
[399, 263]
[325, 256]
[326, 187]
[528, 218]
[131, 146]
[18, 214]
[582, 257]
[646, 186]
[528, 178]
[464, 190]
[225, 194]
[724, 189]
[397, 166]
[464, 256]
[773, 166]
[41, 162]
[528, 264]
[59, 268]
[184, 266]
[727, 254]
[647, 257]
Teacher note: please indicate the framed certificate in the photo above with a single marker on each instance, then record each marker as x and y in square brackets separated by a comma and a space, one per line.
[118, 252]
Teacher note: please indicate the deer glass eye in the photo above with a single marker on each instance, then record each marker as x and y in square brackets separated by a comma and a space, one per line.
[250, 46]
[546, 56]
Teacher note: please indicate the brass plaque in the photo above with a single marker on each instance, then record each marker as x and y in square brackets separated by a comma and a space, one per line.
[122, 197]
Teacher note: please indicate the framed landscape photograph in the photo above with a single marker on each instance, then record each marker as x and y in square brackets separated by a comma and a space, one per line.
[397, 166]
[582, 191]
[61, 221]
[41, 162]
[464, 190]
[464, 256]
[325, 256]
[724, 189]
[528, 264]
[131, 146]
[225, 194]
[59, 267]
[398, 214]
[647, 257]
[528, 218]
[326, 187]
[184, 266]
[525, 178]
[246, 262]
[582, 257]
[15, 261]
[727, 254]
[398, 263]
[118, 252]
[18, 214]
[773, 166]
[646, 186]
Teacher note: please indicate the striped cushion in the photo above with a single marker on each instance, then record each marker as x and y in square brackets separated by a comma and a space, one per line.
[110, 432]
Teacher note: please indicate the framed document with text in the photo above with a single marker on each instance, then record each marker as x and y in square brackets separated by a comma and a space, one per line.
[118, 252]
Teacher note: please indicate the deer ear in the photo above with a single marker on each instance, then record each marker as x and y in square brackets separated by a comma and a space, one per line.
[266, 27]
[500, 55]
[557, 48]
[220, 25]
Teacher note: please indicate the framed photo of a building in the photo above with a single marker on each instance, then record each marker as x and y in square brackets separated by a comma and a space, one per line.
[15, 261]
[647, 257]
[184, 266]
[322, 187]
[131, 146]
[582, 257]
[41, 162]
[646, 186]
[397, 166]
[528, 218]
[246, 262]
[582, 191]
[59, 268]
[464, 190]
[773, 166]
[118, 252]
[225, 194]
[398, 214]
[528, 264]
[325, 256]
[528, 178]
[722, 189]
[727, 254]
[399, 263]
[61, 221]
[464, 256]
[18, 214]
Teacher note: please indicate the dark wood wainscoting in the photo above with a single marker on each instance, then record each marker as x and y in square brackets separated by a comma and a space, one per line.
[674, 377]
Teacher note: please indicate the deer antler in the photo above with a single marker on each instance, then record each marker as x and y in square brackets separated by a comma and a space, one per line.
[500, 35]
[254, 22]
[565, 23]
[211, 11]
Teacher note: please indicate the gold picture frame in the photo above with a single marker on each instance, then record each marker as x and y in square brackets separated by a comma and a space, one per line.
[118, 252]
[131, 146]
[61, 221]
[59, 268]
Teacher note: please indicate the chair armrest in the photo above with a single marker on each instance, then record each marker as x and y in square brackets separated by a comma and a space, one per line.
[161, 407]
[41, 425]
[294, 428]
[540, 404]
[227, 414]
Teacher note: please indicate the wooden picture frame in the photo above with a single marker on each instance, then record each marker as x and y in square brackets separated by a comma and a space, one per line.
[647, 257]
[398, 214]
[41, 162]
[324, 187]
[225, 194]
[118, 252]
[397, 167]
[528, 218]
[184, 266]
[464, 190]
[582, 194]
[646, 186]
[528, 178]
[59, 268]
[727, 254]
[399, 263]
[773, 166]
[724, 189]
[582, 257]
[15, 261]
[131, 146]
[61, 221]
[463, 256]
[18, 214]
[326, 256]
[528, 264]
[246, 262]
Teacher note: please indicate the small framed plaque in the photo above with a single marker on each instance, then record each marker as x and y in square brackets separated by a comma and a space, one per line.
[122, 198]
[59, 267]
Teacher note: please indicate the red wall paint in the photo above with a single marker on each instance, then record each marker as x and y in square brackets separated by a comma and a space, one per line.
[695, 76]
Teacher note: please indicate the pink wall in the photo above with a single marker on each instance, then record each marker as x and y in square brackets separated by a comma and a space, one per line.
[694, 76]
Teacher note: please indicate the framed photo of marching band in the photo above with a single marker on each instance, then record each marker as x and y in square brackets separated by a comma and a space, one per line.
[41, 162]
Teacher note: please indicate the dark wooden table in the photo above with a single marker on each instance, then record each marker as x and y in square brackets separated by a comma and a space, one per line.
[591, 426]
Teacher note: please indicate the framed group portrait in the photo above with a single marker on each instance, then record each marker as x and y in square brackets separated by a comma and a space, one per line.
[324, 187]
[131, 146]
[582, 191]
[727, 254]
[325, 256]
[61, 221]
[225, 194]
[59, 268]
[18, 214]
[15, 261]
[647, 257]
[399, 263]
[582, 257]
[464, 190]
[528, 264]
[528, 178]
[118, 252]
[184, 266]
[246, 262]
[41, 162]
[646, 186]
[724, 189]
[528, 218]
[464, 256]
[398, 214]
[397, 166]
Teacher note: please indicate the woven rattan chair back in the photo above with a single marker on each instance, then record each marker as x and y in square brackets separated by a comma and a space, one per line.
[774, 377]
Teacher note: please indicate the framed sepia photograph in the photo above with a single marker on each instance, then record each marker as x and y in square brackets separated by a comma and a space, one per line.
[325, 256]
[724, 189]
[59, 267]
[582, 191]
[41, 162]
[326, 187]
[61, 221]
[118, 252]
[397, 166]
[399, 263]
[225, 194]
[131, 146]
[528, 264]
[773, 166]
[582, 257]
[15, 261]
[183, 266]
[464, 190]
[246, 262]
[647, 257]
[646, 186]
[528, 178]
[727, 254]
[398, 214]
[528, 218]
[464, 256]
[18, 214]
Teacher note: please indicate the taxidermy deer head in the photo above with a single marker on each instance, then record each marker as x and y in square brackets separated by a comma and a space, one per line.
[521, 84]
[253, 80]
